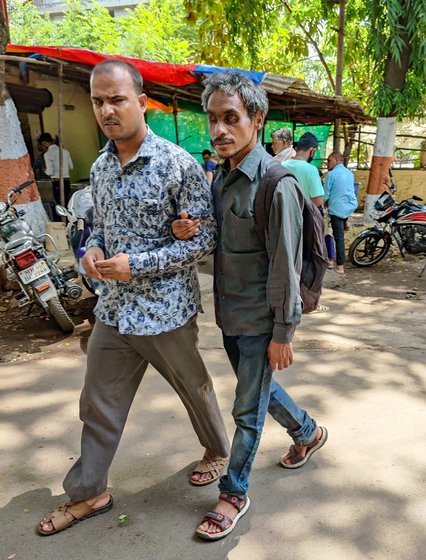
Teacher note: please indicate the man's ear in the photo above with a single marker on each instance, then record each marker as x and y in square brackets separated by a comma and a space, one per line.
[259, 119]
[143, 100]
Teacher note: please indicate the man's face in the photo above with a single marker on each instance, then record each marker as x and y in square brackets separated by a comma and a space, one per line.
[233, 134]
[331, 162]
[118, 108]
[279, 144]
[206, 157]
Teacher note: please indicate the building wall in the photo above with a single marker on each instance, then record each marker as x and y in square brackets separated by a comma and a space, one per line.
[79, 128]
[408, 182]
[56, 8]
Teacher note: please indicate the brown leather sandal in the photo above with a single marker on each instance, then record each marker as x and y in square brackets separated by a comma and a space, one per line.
[79, 511]
[213, 465]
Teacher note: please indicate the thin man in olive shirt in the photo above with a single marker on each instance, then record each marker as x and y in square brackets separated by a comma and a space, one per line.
[258, 303]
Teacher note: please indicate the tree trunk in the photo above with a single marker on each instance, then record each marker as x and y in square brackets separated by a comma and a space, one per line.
[339, 69]
[394, 78]
[15, 164]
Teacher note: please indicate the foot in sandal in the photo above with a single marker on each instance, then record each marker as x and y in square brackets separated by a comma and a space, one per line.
[72, 513]
[223, 519]
[209, 469]
[298, 455]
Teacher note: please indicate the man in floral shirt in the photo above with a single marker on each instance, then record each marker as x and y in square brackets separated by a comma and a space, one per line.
[147, 310]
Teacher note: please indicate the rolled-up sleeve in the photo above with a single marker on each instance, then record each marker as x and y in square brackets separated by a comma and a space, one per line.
[284, 245]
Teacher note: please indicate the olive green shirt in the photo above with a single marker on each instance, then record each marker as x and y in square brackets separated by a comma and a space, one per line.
[256, 293]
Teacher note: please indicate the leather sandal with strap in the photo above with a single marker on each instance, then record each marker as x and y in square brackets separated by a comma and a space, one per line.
[213, 465]
[296, 459]
[79, 511]
[225, 523]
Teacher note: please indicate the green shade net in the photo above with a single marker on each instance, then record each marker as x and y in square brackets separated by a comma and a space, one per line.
[321, 132]
[192, 129]
[194, 136]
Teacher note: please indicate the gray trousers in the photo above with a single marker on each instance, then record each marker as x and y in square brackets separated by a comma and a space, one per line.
[115, 366]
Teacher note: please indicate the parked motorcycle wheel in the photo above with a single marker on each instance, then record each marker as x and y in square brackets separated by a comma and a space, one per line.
[369, 249]
[58, 312]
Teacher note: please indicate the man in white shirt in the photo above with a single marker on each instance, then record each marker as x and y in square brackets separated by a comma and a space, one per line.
[51, 158]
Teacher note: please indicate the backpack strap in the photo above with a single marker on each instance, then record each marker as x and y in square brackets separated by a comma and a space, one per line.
[265, 194]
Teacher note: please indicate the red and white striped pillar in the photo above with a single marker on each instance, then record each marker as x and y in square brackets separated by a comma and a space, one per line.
[15, 169]
[379, 179]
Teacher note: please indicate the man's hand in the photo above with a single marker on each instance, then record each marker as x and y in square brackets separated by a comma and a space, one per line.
[92, 255]
[115, 268]
[185, 228]
[280, 355]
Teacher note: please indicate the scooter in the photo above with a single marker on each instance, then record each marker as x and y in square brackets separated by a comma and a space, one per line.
[26, 261]
[79, 228]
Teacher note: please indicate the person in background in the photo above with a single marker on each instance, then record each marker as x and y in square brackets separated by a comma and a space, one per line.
[209, 165]
[339, 195]
[51, 158]
[307, 174]
[39, 165]
[282, 144]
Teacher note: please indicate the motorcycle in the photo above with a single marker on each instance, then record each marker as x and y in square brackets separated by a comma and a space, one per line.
[402, 223]
[26, 261]
[80, 226]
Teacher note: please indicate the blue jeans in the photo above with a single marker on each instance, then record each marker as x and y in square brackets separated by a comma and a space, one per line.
[256, 394]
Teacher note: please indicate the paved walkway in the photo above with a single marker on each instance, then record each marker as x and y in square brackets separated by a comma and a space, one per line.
[360, 370]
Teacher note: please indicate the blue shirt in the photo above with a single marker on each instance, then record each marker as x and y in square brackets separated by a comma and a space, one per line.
[134, 207]
[339, 191]
[209, 165]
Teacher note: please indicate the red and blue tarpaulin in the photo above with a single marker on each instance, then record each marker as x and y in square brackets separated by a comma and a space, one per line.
[160, 72]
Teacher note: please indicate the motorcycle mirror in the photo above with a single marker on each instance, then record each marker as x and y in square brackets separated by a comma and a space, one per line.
[61, 211]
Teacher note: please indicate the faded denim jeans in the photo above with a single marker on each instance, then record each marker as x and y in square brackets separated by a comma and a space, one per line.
[256, 394]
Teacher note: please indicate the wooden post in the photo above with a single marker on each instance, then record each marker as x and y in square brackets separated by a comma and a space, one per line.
[61, 155]
[175, 112]
[339, 69]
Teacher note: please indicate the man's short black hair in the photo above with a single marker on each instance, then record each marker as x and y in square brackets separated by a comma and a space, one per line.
[306, 142]
[45, 137]
[206, 153]
[107, 66]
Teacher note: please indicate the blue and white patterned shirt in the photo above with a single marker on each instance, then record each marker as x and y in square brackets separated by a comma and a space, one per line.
[134, 207]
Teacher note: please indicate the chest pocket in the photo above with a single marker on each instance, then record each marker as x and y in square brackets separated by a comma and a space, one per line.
[144, 217]
[239, 235]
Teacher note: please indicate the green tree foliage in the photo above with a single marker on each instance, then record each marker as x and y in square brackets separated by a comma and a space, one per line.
[158, 31]
[383, 39]
[398, 46]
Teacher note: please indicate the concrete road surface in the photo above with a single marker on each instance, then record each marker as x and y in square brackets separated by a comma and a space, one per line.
[360, 370]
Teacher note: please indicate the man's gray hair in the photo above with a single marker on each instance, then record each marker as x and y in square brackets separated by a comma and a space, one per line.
[253, 96]
[283, 134]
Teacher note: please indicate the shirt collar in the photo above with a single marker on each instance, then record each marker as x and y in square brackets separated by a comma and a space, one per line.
[146, 149]
[250, 164]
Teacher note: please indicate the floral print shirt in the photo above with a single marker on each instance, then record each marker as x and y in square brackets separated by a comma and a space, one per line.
[134, 207]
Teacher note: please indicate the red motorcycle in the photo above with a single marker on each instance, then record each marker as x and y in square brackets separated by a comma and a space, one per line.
[402, 223]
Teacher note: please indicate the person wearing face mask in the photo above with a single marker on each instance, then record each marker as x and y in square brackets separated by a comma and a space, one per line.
[306, 174]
